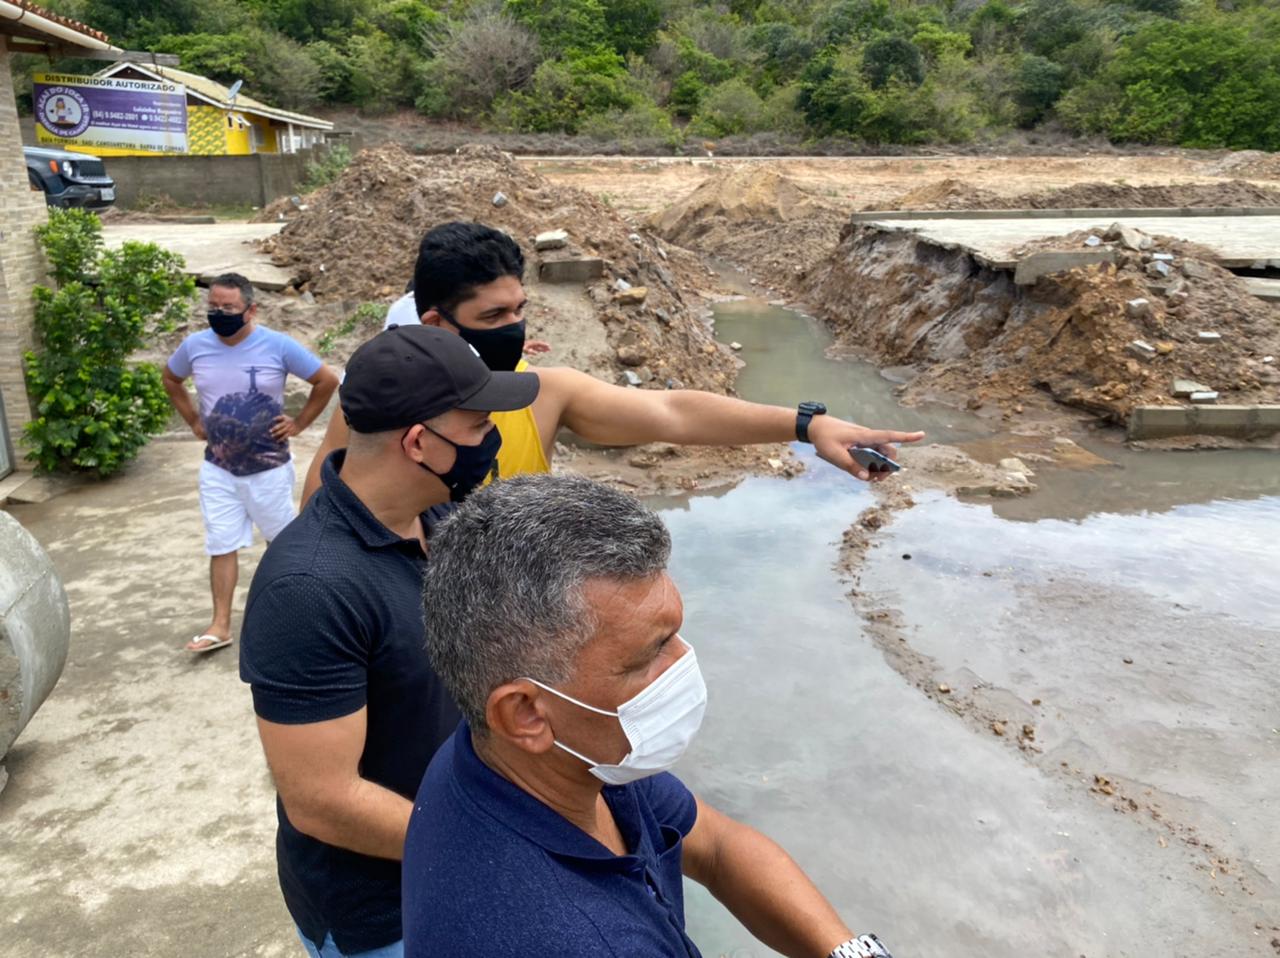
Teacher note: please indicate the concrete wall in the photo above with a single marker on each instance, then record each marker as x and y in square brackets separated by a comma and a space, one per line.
[1236, 422]
[21, 262]
[253, 180]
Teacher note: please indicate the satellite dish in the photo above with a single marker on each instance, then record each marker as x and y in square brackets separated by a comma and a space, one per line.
[235, 88]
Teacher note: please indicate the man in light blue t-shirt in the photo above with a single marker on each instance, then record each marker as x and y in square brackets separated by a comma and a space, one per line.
[246, 478]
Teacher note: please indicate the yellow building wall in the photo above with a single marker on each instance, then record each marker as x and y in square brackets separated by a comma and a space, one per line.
[206, 131]
[266, 134]
[238, 140]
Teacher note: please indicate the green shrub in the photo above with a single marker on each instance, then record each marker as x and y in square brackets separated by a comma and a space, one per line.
[328, 168]
[94, 409]
[641, 122]
[730, 108]
[367, 317]
[563, 93]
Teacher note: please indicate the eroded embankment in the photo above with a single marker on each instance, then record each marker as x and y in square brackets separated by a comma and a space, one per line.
[977, 338]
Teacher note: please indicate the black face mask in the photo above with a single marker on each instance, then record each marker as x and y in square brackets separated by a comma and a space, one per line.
[500, 348]
[472, 465]
[226, 325]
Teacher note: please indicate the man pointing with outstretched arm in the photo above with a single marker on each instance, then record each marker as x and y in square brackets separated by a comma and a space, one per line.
[467, 280]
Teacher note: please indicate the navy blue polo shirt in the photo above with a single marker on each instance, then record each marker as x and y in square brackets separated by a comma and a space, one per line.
[490, 871]
[333, 624]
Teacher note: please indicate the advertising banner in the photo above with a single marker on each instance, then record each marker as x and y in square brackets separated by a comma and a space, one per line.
[123, 114]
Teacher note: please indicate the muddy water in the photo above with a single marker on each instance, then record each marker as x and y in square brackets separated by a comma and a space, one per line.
[943, 838]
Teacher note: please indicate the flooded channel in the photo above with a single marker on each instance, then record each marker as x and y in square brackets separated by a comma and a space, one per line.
[1134, 604]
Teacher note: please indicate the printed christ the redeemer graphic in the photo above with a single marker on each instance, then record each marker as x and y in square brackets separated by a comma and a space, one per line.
[239, 430]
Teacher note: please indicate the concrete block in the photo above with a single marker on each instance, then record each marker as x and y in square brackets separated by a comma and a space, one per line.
[1036, 265]
[1233, 421]
[1138, 308]
[1141, 348]
[1183, 388]
[552, 239]
[581, 270]
[1205, 337]
[1206, 397]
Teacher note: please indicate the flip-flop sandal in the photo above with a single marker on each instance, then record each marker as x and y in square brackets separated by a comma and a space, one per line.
[215, 642]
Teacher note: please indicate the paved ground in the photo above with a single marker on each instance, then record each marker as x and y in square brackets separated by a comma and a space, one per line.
[210, 249]
[138, 819]
[1240, 241]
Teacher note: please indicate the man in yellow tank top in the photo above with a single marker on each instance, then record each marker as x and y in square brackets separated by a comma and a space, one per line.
[467, 280]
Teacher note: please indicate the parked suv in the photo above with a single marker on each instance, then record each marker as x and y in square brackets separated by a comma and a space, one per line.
[69, 179]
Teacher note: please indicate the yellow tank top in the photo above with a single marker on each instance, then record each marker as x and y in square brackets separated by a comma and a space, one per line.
[521, 452]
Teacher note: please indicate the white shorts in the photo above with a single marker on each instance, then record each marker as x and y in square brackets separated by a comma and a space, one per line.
[233, 505]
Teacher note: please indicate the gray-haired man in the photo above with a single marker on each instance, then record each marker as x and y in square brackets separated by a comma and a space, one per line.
[548, 824]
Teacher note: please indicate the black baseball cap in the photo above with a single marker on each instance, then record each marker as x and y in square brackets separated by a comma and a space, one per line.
[408, 374]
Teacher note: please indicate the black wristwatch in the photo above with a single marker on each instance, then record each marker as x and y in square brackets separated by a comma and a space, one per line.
[864, 946]
[804, 413]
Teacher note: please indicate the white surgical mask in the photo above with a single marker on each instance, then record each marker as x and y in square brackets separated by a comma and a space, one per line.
[659, 722]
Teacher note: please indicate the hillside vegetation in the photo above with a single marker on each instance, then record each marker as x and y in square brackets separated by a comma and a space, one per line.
[1183, 72]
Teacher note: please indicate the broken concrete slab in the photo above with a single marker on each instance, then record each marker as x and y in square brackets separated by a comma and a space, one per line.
[577, 270]
[1036, 265]
[1141, 348]
[551, 239]
[1183, 388]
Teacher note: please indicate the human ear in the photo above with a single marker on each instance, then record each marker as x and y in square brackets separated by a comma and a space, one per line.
[515, 712]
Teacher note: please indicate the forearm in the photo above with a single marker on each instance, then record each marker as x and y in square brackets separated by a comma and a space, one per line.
[181, 400]
[364, 818]
[683, 416]
[768, 892]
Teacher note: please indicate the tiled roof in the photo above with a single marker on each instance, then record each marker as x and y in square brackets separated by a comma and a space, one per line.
[58, 18]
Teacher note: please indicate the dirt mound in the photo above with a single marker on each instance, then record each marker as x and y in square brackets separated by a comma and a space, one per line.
[953, 194]
[357, 239]
[755, 218]
[980, 339]
[750, 195]
[1254, 163]
[948, 194]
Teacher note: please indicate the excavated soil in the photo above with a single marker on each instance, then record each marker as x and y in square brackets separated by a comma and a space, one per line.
[756, 219]
[954, 194]
[979, 339]
[357, 239]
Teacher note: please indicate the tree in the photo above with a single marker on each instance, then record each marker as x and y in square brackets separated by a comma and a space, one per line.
[892, 58]
[1209, 82]
[478, 58]
[631, 26]
[848, 20]
[562, 25]
[1038, 85]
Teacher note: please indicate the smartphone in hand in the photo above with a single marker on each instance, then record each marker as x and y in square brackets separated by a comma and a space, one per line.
[872, 460]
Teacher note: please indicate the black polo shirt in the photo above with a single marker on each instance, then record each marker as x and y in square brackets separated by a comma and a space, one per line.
[334, 624]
